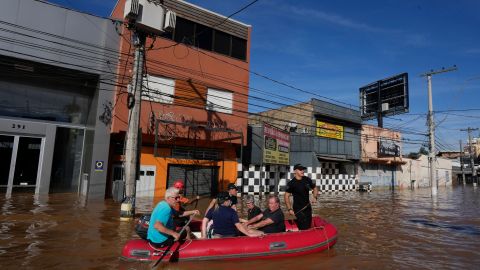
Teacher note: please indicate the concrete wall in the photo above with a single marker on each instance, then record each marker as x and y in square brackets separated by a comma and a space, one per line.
[371, 136]
[300, 114]
[343, 112]
[382, 172]
[417, 169]
[380, 175]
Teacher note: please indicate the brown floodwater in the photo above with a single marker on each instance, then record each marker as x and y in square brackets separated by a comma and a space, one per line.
[378, 230]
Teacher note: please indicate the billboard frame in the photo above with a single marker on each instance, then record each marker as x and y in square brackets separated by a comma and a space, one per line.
[374, 95]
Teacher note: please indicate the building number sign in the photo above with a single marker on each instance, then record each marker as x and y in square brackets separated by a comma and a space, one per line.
[18, 126]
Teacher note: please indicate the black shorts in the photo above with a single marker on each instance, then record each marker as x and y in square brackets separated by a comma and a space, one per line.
[163, 244]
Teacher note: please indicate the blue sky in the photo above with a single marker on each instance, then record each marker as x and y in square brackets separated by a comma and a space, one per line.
[334, 47]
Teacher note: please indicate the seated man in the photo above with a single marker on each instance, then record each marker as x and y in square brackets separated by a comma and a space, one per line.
[161, 231]
[270, 221]
[252, 209]
[225, 219]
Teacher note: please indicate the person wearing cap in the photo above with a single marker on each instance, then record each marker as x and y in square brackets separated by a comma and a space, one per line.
[232, 192]
[300, 187]
[180, 215]
[271, 220]
[225, 219]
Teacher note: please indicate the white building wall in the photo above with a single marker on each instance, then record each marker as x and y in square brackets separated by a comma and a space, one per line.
[418, 170]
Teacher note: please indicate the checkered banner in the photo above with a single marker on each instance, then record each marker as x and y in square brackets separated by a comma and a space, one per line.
[255, 180]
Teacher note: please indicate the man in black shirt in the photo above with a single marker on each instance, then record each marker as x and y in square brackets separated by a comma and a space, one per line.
[271, 220]
[300, 187]
[252, 209]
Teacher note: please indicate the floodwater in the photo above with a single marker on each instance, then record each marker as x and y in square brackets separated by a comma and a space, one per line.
[378, 230]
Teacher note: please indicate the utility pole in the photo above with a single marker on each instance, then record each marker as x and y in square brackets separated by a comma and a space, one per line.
[131, 146]
[431, 127]
[470, 151]
[461, 163]
[141, 24]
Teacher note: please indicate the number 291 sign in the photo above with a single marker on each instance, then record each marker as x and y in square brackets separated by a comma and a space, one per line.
[276, 146]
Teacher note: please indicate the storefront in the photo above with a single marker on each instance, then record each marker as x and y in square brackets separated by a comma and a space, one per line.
[54, 100]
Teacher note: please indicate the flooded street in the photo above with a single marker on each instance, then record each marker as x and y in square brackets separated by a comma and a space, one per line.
[378, 230]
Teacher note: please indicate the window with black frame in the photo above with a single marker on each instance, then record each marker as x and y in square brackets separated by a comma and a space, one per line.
[207, 38]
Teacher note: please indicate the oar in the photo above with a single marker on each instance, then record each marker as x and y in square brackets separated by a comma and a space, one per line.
[170, 246]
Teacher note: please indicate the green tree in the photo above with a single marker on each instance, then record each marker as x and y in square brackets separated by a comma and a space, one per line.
[423, 151]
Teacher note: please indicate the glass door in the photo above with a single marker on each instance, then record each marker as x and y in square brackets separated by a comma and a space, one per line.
[6, 151]
[26, 165]
[19, 169]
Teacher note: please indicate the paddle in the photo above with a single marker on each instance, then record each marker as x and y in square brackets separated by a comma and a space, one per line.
[170, 246]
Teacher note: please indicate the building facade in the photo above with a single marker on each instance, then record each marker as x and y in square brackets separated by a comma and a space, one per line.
[194, 103]
[415, 173]
[55, 95]
[324, 137]
[381, 157]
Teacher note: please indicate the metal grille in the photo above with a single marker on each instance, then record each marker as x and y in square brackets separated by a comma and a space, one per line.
[198, 180]
[190, 153]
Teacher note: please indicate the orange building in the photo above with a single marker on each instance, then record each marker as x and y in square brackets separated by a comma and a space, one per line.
[381, 160]
[194, 102]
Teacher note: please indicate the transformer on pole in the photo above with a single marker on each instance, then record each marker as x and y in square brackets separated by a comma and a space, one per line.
[144, 18]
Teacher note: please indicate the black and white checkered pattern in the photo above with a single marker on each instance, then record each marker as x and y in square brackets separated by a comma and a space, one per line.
[255, 180]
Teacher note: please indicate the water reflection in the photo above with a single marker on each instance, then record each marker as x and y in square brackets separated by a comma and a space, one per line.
[378, 230]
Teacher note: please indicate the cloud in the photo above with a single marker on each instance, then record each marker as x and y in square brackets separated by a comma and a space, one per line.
[416, 40]
[472, 51]
[335, 19]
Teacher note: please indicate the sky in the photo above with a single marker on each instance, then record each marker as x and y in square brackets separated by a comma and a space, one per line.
[332, 48]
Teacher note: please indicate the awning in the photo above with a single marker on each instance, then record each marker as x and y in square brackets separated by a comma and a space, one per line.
[330, 158]
[385, 161]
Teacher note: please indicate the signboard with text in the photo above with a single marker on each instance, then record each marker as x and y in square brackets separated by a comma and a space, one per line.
[388, 148]
[276, 146]
[328, 130]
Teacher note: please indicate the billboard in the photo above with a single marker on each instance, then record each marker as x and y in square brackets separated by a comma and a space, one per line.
[388, 96]
[328, 130]
[276, 146]
[388, 148]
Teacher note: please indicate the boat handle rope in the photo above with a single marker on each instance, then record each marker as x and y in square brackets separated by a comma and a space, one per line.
[186, 245]
[326, 236]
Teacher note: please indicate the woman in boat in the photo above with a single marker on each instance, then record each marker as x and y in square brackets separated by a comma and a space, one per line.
[225, 219]
[252, 209]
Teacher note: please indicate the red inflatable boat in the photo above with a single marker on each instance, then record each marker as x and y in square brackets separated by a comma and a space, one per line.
[293, 242]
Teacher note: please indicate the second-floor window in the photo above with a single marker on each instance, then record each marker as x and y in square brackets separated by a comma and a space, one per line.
[207, 38]
[219, 101]
[158, 89]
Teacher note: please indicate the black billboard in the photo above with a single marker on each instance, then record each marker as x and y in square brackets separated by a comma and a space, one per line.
[388, 148]
[392, 91]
